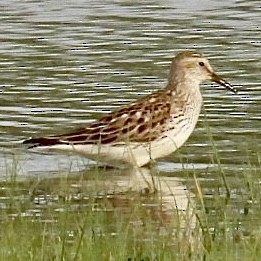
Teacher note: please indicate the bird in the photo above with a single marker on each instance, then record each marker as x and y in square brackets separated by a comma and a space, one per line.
[148, 128]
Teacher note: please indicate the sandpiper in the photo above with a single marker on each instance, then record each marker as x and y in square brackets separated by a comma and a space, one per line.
[149, 128]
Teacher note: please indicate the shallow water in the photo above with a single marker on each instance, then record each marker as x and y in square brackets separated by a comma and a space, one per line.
[64, 65]
[60, 71]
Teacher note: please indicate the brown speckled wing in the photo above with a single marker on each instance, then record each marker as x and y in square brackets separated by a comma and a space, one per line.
[140, 121]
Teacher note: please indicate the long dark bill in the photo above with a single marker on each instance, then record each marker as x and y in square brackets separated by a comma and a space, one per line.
[222, 82]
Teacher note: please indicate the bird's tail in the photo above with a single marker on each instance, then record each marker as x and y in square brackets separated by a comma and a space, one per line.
[42, 141]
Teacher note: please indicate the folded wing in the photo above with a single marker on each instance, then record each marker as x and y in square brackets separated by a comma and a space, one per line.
[141, 121]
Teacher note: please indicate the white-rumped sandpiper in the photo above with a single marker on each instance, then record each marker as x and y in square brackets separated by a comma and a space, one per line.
[149, 128]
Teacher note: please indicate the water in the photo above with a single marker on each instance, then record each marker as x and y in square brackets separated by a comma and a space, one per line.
[64, 65]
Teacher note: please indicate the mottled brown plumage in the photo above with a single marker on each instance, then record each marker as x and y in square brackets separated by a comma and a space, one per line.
[164, 118]
[142, 121]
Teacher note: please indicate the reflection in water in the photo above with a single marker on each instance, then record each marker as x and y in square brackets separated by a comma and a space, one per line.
[175, 198]
[169, 202]
[166, 200]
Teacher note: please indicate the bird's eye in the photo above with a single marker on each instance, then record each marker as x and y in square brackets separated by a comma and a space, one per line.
[201, 63]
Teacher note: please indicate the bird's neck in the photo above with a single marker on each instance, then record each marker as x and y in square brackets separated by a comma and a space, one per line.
[184, 78]
[185, 85]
